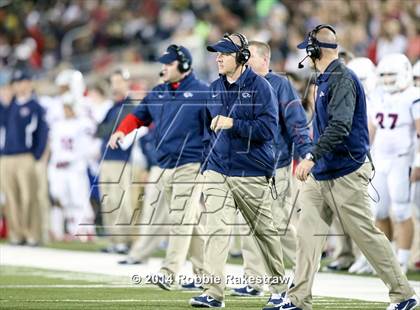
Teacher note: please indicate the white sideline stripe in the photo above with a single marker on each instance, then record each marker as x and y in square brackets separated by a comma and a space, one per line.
[67, 286]
[92, 265]
[170, 300]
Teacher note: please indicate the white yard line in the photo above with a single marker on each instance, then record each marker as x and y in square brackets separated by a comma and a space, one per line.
[96, 264]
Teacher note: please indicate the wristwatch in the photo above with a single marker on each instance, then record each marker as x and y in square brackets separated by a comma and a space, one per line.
[309, 156]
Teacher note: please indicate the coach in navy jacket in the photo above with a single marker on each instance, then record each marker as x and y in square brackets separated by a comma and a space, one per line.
[26, 130]
[26, 134]
[242, 118]
[176, 109]
[338, 185]
[247, 148]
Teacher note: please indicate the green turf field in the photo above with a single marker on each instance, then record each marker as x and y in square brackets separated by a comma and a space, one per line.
[30, 288]
[100, 243]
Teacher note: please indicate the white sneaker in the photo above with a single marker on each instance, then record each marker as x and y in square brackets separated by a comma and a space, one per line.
[366, 268]
[359, 263]
[404, 268]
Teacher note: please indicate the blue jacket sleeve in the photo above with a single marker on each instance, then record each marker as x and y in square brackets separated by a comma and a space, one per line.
[142, 111]
[294, 116]
[265, 119]
[40, 135]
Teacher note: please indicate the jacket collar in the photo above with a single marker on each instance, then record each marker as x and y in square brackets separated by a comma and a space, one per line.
[185, 82]
[243, 78]
[330, 68]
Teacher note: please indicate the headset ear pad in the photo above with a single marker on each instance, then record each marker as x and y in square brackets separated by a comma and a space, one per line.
[243, 56]
[313, 48]
[184, 65]
[244, 53]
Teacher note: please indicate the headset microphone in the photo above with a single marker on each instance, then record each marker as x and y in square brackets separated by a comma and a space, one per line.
[300, 65]
[161, 73]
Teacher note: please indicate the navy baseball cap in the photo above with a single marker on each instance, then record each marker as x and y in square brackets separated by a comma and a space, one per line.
[224, 46]
[21, 75]
[171, 54]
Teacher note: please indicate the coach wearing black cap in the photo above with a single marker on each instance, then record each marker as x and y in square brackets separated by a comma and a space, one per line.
[176, 108]
[242, 118]
[336, 173]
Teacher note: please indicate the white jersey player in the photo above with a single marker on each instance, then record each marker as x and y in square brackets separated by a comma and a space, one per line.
[69, 183]
[393, 114]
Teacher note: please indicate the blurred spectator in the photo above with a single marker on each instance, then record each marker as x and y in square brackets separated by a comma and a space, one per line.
[41, 34]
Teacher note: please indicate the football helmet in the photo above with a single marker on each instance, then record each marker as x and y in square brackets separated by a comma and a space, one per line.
[394, 73]
[366, 72]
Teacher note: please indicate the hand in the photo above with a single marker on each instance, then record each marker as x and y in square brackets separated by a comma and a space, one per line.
[303, 169]
[221, 122]
[113, 141]
[415, 174]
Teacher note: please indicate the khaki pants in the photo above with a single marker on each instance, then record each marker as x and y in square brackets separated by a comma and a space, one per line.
[19, 181]
[343, 251]
[117, 212]
[281, 209]
[182, 187]
[223, 197]
[153, 213]
[346, 197]
[43, 198]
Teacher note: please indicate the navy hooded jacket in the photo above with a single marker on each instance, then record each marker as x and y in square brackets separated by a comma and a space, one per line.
[178, 119]
[26, 130]
[293, 125]
[247, 148]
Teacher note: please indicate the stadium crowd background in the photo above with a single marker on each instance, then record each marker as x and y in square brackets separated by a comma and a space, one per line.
[96, 37]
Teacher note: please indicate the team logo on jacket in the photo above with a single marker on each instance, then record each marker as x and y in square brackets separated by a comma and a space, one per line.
[188, 94]
[24, 111]
[246, 95]
[321, 94]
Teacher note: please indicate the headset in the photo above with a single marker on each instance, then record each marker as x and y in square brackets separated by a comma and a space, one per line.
[184, 63]
[243, 54]
[313, 49]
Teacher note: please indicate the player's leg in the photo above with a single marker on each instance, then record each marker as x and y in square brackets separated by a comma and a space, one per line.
[380, 198]
[55, 186]
[348, 198]
[416, 243]
[79, 188]
[399, 185]
[312, 230]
